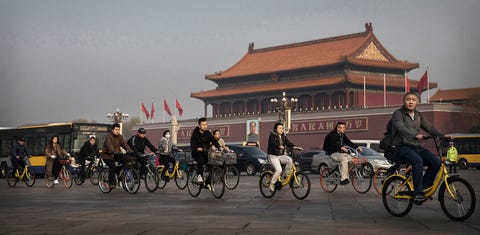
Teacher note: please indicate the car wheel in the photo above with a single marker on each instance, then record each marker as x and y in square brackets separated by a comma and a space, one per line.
[321, 167]
[463, 164]
[368, 169]
[250, 169]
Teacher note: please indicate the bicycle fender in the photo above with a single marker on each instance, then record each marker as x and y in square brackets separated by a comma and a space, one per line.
[450, 178]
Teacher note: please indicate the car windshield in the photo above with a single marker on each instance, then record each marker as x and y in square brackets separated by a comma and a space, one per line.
[370, 152]
[254, 151]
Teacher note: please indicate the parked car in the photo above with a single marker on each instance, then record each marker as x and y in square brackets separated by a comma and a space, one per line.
[375, 161]
[372, 144]
[305, 159]
[250, 159]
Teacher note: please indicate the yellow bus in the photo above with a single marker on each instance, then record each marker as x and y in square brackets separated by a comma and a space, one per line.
[468, 147]
[72, 136]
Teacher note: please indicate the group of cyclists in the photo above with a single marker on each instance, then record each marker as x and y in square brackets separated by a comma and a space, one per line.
[407, 121]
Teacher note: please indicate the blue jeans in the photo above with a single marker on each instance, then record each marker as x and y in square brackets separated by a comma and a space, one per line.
[418, 157]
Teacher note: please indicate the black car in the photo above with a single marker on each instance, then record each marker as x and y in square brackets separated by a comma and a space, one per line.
[305, 159]
[249, 158]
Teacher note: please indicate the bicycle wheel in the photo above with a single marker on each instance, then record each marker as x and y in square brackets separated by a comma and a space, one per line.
[264, 184]
[48, 182]
[161, 181]
[66, 177]
[232, 177]
[181, 179]
[361, 181]
[29, 178]
[194, 187]
[11, 179]
[151, 178]
[77, 178]
[103, 182]
[396, 196]
[94, 173]
[131, 180]
[460, 203]
[329, 179]
[300, 185]
[378, 179]
[216, 182]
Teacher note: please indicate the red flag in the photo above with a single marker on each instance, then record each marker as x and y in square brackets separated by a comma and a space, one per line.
[166, 108]
[407, 83]
[152, 112]
[144, 110]
[422, 83]
[179, 107]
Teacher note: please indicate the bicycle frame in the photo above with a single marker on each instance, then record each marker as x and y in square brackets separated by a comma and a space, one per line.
[441, 177]
[24, 173]
[174, 173]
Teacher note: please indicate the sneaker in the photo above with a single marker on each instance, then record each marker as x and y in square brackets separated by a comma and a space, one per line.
[272, 187]
[74, 165]
[55, 182]
[419, 198]
[199, 179]
[344, 182]
[209, 187]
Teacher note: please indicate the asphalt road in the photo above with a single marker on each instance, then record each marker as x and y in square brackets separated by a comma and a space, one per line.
[84, 209]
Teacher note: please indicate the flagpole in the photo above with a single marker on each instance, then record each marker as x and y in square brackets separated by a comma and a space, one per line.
[428, 88]
[151, 114]
[405, 80]
[141, 119]
[384, 90]
[163, 113]
[364, 92]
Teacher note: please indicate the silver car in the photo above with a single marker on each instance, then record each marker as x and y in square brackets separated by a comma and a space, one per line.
[375, 161]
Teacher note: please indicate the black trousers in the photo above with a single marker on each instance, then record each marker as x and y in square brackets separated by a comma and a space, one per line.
[202, 159]
[166, 160]
[56, 168]
[112, 169]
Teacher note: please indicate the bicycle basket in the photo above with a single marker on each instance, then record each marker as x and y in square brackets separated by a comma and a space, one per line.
[359, 160]
[230, 158]
[215, 158]
[64, 161]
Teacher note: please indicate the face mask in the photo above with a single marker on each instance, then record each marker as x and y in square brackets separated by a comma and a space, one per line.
[167, 136]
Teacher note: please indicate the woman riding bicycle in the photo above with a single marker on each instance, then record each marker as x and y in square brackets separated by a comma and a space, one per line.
[277, 152]
[408, 122]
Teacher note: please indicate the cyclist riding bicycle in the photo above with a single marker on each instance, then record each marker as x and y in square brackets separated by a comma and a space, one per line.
[19, 153]
[88, 151]
[335, 145]
[408, 122]
[138, 143]
[113, 145]
[278, 154]
[200, 142]
[165, 148]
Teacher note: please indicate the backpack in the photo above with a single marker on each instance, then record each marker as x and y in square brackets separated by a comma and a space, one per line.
[386, 143]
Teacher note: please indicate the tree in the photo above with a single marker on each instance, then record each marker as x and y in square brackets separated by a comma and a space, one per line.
[128, 125]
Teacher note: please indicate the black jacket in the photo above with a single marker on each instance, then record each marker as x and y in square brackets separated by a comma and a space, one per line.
[334, 142]
[138, 144]
[20, 150]
[202, 140]
[274, 144]
[88, 150]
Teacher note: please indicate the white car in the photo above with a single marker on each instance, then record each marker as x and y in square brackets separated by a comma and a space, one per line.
[375, 161]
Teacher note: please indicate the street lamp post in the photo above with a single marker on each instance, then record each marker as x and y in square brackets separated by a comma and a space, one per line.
[284, 107]
[118, 117]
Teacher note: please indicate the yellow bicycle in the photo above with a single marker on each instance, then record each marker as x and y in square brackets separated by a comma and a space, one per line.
[27, 175]
[298, 181]
[177, 173]
[456, 195]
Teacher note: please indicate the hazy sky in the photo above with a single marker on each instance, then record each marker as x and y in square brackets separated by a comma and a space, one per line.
[63, 60]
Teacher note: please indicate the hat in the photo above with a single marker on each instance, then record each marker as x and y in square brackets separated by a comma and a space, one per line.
[21, 139]
[142, 130]
[450, 143]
